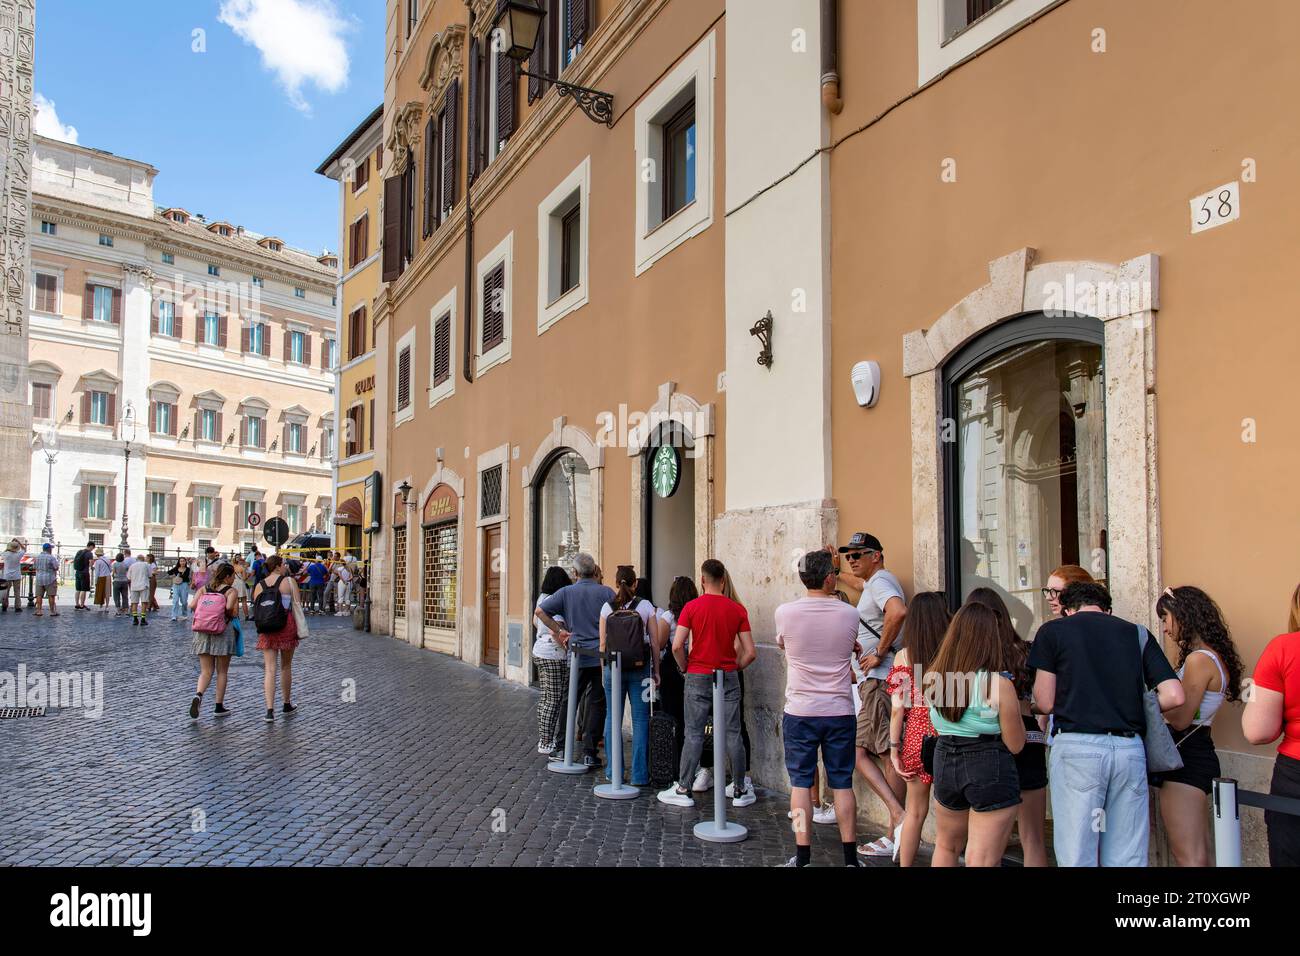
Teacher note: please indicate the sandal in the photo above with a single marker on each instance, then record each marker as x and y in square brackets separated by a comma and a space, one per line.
[883, 846]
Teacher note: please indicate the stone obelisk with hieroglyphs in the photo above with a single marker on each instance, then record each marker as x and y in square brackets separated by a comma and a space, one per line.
[17, 58]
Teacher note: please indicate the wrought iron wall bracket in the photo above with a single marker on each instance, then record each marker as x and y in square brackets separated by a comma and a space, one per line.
[598, 106]
[763, 329]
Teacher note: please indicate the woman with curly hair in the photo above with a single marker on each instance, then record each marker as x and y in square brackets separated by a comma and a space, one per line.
[1210, 669]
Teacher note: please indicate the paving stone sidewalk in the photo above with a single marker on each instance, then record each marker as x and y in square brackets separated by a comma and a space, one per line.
[433, 763]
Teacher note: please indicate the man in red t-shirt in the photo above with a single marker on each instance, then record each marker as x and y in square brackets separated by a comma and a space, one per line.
[714, 624]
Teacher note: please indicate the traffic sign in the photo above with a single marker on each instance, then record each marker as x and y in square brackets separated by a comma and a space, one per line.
[254, 519]
[276, 531]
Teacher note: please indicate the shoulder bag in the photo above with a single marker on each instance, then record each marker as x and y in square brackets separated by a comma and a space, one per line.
[1162, 752]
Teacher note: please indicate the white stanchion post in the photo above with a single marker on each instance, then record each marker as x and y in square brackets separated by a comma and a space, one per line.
[1227, 823]
[718, 830]
[615, 790]
[570, 724]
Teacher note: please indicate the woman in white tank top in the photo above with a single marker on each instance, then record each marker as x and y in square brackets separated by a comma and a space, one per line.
[1210, 670]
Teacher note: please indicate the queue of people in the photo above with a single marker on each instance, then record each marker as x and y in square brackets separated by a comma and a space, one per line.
[946, 713]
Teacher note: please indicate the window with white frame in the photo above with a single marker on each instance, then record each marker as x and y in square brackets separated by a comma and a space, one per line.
[562, 247]
[168, 259]
[102, 304]
[97, 502]
[208, 428]
[157, 507]
[248, 508]
[293, 518]
[205, 511]
[950, 31]
[442, 349]
[254, 431]
[211, 328]
[403, 407]
[163, 415]
[296, 438]
[166, 318]
[674, 152]
[105, 240]
[493, 305]
[99, 408]
[48, 228]
[297, 347]
[257, 338]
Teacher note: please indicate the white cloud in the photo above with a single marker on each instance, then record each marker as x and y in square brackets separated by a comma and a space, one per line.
[47, 121]
[301, 41]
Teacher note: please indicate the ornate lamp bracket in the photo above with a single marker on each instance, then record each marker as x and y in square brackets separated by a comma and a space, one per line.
[763, 329]
[598, 106]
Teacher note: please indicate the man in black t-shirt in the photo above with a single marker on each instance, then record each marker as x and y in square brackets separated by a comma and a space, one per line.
[81, 562]
[1091, 678]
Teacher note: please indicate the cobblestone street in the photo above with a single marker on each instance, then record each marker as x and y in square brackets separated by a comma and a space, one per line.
[415, 771]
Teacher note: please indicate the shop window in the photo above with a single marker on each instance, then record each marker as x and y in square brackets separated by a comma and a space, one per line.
[399, 571]
[440, 558]
[565, 513]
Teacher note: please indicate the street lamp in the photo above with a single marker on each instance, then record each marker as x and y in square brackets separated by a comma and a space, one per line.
[49, 443]
[126, 432]
[520, 24]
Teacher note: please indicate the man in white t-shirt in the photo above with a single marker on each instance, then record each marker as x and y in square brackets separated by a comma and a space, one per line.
[881, 611]
[137, 579]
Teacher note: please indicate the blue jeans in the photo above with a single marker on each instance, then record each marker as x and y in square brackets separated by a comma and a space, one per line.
[636, 691]
[180, 600]
[1099, 800]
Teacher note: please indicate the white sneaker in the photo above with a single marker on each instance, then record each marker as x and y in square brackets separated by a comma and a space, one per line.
[545, 748]
[676, 796]
[747, 796]
[731, 787]
[824, 815]
[703, 780]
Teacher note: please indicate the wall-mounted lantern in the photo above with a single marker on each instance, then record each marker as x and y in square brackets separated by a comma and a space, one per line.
[520, 24]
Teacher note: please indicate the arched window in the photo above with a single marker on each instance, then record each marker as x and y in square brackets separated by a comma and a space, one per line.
[1024, 445]
[564, 512]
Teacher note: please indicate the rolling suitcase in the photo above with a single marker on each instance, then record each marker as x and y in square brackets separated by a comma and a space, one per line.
[663, 745]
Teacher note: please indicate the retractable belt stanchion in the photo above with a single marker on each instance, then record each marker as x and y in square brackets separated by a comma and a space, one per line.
[1227, 823]
[570, 724]
[615, 790]
[718, 830]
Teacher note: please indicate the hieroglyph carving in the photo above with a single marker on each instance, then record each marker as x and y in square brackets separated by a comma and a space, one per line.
[17, 53]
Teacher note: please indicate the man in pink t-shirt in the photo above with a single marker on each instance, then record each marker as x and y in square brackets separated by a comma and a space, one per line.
[819, 633]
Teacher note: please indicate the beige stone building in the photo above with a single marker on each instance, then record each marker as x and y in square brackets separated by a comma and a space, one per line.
[181, 367]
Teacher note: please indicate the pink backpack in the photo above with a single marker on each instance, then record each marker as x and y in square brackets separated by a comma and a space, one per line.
[210, 612]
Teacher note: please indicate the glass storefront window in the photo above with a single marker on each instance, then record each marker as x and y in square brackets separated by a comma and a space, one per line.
[565, 513]
[1028, 477]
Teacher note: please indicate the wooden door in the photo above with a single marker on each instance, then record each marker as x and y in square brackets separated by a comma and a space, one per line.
[492, 562]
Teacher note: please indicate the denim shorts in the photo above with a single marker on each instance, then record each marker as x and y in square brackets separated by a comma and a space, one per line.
[975, 773]
[804, 735]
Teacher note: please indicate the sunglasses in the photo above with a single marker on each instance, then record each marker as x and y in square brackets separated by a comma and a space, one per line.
[858, 555]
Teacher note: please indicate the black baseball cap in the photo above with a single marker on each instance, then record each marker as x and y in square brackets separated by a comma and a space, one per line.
[861, 541]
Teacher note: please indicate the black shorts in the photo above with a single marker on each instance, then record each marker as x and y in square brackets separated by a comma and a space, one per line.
[1284, 828]
[974, 773]
[83, 580]
[1200, 761]
[1031, 762]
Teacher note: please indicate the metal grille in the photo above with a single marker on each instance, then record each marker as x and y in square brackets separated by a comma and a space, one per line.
[399, 572]
[440, 576]
[8, 712]
[490, 492]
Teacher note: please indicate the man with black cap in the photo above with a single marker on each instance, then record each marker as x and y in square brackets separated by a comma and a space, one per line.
[881, 611]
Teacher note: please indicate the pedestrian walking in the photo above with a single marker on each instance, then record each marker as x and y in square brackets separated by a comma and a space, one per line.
[628, 625]
[882, 608]
[214, 642]
[180, 574]
[317, 574]
[718, 631]
[277, 614]
[977, 719]
[552, 662]
[1210, 671]
[909, 723]
[239, 585]
[13, 575]
[1031, 761]
[120, 595]
[102, 572]
[81, 565]
[1092, 671]
[138, 576]
[819, 634]
[1274, 711]
[206, 563]
[47, 578]
[153, 582]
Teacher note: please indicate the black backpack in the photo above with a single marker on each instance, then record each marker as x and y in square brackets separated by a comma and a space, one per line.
[625, 634]
[269, 614]
[82, 561]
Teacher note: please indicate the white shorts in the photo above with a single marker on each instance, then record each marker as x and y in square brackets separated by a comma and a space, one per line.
[140, 597]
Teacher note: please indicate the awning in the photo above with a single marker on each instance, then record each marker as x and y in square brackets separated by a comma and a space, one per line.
[349, 512]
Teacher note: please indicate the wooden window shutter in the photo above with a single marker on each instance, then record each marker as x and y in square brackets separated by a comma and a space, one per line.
[117, 306]
[266, 340]
[430, 194]
[216, 512]
[88, 303]
[372, 424]
[243, 431]
[221, 331]
[442, 350]
[170, 514]
[85, 407]
[403, 378]
[537, 62]
[361, 330]
[243, 338]
[194, 435]
[505, 97]
[473, 108]
[153, 317]
[171, 419]
[284, 439]
[220, 430]
[153, 416]
[191, 517]
[363, 236]
[494, 328]
[178, 320]
[287, 343]
[112, 408]
[112, 502]
[306, 348]
[199, 322]
[392, 237]
[449, 154]
[361, 428]
[85, 502]
[579, 21]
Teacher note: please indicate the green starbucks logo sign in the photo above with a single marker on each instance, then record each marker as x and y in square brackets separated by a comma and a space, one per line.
[665, 471]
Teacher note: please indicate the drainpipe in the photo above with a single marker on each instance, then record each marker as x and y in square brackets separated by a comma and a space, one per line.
[831, 56]
[467, 336]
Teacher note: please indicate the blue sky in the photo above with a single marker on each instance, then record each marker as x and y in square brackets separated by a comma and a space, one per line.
[236, 131]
